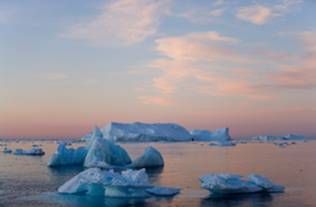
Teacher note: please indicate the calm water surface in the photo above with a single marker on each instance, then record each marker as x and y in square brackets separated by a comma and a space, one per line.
[26, 181]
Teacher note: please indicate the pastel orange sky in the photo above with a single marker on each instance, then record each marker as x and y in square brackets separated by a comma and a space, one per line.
[247, 65]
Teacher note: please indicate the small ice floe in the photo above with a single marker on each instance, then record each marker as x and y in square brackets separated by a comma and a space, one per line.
[281, 144]
[222, 143]
[35, 151]
[150, 158]
[7, 150]
[163, 191]
[227, 184]
[127, 184]
[105, 153]
[67, 156]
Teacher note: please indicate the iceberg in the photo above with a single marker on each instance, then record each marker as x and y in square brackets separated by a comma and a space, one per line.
[7, 150]
[150, 158]
[289, 137]
[265, 183]
[35, 151]
[137, 131]
[67, 156]
[219, 135]
[97, 182]
[104, 153]
[127, 184]
[226, 184]
[88, 182]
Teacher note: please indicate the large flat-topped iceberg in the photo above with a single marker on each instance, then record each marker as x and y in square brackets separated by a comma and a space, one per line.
[138, 131]
[145, 132]
[289, 137]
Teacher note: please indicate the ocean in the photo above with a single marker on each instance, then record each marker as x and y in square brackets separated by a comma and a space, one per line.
[27, 181]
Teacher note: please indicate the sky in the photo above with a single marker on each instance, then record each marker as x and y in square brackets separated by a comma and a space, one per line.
[66, 66]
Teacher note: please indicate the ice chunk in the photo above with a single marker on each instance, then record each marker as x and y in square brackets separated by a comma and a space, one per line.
[67, 156]
[104, 153]
[150, 158]
[163, 191]
[35, 151]
[221, 134]
[96, 182]
[90, 181]
[265, 183]
[225, 183]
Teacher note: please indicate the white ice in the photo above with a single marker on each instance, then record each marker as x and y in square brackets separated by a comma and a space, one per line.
[104, 153]
[137, 131]
[97, 182]
[225, 183]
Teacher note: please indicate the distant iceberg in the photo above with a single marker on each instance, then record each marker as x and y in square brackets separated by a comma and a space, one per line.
[67, 156]
[226, 184]
[289, 137]
[143, 132]
[35, 151]
[221, 135]
[104, 153]
[7, 150]
[127, 184]
[150, 158]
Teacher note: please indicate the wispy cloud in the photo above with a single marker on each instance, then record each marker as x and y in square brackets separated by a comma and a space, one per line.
[188, 59]
[260, 14]
[203, 14]
[121, 22]
[302, 74]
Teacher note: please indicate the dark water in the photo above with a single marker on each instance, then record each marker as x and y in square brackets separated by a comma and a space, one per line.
[26, 181]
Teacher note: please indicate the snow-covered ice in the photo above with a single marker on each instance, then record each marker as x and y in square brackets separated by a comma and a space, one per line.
[225, 183]
[150, 158]
[87, 182]
[127, 184]
[97, 182]
[265, 183]
[35, 151]
[219, 135]
[104, 153]
[67, 156]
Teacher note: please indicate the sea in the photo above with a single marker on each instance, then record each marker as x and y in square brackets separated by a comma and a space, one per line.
[27, 181]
